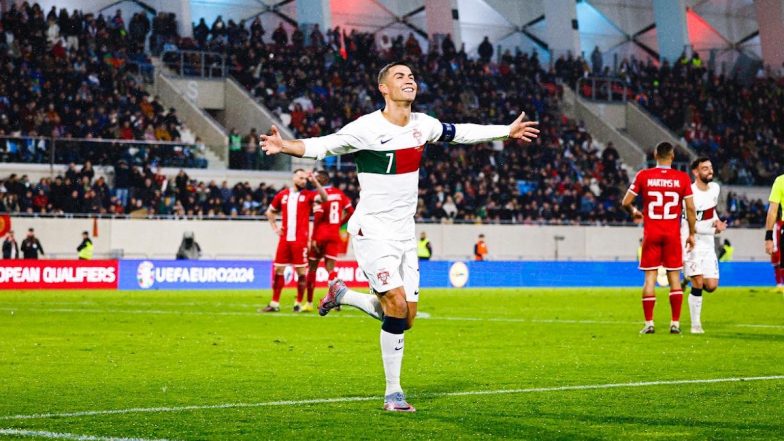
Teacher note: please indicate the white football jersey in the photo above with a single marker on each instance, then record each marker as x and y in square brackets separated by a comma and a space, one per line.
[705, 203]
[388, 158]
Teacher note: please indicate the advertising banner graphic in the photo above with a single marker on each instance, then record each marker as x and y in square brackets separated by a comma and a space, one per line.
[348, 271]
[194, 274]
[58, 274]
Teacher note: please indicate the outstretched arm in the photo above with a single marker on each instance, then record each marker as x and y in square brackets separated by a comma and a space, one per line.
[475, 133]
[342, 142]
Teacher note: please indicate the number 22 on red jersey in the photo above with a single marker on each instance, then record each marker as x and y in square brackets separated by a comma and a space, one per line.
[663, 191]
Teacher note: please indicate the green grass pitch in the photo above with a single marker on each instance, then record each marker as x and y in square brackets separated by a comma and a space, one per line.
[205, 365]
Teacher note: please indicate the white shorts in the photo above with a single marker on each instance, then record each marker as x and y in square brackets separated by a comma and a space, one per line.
[701, 263]
[389, 264]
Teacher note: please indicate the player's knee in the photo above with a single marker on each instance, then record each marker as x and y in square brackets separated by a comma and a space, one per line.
[710, 286]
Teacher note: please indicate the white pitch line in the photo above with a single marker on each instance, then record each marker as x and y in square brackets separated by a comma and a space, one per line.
[357, 399]
[68, 436]
[357, 316]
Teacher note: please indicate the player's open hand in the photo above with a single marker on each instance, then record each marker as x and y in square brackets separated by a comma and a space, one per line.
[271, 144]
[690, 242]
[769, 247]
[523, 130]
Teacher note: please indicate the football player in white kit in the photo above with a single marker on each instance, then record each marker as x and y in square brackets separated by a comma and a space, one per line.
[701, 263]
[388, 145]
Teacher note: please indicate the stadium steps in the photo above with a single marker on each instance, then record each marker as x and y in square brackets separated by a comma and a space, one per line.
[212, 133]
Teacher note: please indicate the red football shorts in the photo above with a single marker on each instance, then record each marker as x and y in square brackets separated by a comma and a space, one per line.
[329, 248]
[775, 258]
[661, 250]
[291, 253]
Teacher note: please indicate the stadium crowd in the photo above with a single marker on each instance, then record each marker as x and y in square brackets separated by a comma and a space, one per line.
[142, 191]
[77, 76]
[737, 124]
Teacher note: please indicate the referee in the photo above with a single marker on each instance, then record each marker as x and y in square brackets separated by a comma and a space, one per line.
[776, 195]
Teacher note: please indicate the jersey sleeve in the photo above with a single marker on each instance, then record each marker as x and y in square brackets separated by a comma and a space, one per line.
[346, 140]
[686, 185]
[777, 192]
[636, 187]
[275, 204]
[465, 133]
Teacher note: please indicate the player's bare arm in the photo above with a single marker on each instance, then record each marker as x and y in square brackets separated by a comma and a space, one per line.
[321, 192]
[271, 214]
[273, 144]
[770, 221]
[628, 205]
[691, 218]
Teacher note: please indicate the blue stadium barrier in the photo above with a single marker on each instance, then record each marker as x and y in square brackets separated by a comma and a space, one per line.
[254, 274]
[498, 274]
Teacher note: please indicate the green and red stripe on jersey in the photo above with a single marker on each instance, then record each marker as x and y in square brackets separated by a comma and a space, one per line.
[389, 162]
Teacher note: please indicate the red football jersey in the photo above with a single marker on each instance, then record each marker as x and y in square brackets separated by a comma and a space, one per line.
[663, 190]
[295, 207]
[328, 216]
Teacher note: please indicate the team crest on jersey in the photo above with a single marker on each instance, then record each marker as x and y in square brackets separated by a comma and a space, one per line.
[383, 276]
[417, 135]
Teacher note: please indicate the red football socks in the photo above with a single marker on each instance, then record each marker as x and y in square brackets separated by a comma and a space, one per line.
[301, 283]
[647, 307]
[277, 287]
[676, 301]
[311, 285]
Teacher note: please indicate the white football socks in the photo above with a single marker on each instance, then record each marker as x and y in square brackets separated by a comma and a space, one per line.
[367, 303]
[695, 309]
[392, 355]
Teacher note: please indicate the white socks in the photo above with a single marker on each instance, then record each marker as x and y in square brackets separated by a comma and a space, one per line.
[695, 309]
[368, 303]
[392, 355]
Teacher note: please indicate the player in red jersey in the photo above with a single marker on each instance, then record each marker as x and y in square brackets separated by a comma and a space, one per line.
[325, 243]
[295, 204]
[664, 192]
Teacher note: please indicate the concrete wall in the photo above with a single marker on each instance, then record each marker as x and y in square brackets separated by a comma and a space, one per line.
[255, 240]
[196, 119]
[243, 113]
[612, 113]
[649, 132]
[206, 94]
[602, 130]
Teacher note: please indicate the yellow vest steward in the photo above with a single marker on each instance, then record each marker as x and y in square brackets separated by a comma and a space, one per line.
[87, 251]
[422, 250]
[728, 251]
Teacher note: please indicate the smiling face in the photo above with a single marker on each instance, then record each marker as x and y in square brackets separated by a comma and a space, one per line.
[704, 171]
[397, 83]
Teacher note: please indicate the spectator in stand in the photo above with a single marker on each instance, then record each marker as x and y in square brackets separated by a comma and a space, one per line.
[10, 247]
[485, 50]
[251, 151]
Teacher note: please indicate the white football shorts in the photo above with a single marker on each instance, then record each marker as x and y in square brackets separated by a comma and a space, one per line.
[389, 264]
[701, 263]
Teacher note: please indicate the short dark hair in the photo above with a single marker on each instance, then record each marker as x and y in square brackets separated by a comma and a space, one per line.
[382, 74]
[696, 163]
[297, 171]
[323, 173]
[664, 150]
